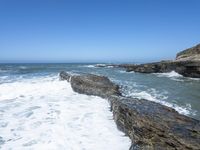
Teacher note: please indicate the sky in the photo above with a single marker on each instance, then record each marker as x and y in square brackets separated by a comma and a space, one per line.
[96, 30]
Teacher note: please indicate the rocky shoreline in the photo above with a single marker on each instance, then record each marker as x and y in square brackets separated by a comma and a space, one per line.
[148, 124]
[187, 63]
[185, 68]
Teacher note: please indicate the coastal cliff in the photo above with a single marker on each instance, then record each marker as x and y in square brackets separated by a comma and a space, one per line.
[192, 54]
[187, 63]
[185, 68]
[148, 124]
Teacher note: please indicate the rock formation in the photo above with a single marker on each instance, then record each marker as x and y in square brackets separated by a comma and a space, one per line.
[149, 125]
[185, 68]
[190, 54]
[187, 63]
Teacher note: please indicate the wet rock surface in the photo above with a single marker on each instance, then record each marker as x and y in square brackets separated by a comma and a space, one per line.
[91, 84]
[148, 124]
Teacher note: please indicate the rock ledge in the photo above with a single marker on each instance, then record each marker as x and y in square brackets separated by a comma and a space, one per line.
[149, 125]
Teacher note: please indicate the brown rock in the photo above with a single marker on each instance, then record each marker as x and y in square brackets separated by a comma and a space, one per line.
[149, 125]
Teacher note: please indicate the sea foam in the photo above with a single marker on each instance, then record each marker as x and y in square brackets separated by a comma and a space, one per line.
[44, 113]
[152, 95]
[176, 76]
[173, 75]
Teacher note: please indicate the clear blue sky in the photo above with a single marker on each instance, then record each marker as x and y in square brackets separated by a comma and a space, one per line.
[96, 30]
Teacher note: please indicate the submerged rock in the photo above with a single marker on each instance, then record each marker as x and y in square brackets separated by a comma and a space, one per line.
[148, 124]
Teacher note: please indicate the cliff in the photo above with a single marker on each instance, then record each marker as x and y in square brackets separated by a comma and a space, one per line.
[192, 54]
[187, 63]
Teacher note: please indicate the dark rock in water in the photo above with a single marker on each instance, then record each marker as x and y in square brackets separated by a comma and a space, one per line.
[188, 68]
[64, 76]
[157, 67]
[148, 124]
[94, 85]
[154, 126]
[185, 68]
[91, 84]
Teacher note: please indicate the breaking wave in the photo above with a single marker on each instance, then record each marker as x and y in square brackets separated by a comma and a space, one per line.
[90, 66]
[153, 95]
[176, 76]
[98, 65]
[171, 74]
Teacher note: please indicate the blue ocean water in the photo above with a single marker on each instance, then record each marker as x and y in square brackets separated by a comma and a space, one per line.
[36, 108]
[168, 88]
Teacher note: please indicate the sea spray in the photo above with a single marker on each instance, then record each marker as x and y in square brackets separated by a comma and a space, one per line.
[44, 113]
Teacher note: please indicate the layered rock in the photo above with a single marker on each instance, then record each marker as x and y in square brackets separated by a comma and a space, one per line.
[185, 68]
[148, 124]
[191, 54]
[187, 63]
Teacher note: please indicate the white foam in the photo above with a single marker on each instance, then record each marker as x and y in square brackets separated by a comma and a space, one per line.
[100, 65]
[124, 71]
[194, 79]
[171, 74]
[44, 113]
[96, 65]
[185, 110]
[3, 77]
[176, 76]
[90, 66]
[109, 66]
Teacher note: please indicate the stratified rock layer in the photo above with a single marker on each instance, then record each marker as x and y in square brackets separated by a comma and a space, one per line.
[192, 54]
[185, 68]
[187, 63]
[148, 124]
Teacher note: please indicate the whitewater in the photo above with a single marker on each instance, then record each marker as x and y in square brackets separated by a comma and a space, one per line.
[38, 111]
[45, 113]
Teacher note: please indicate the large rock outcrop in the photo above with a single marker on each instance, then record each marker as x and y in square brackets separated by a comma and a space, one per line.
[191, 54]
[149, 125]
[187, 63]
[185, 68]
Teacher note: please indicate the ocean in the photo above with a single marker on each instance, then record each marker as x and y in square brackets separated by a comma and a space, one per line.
[38, 111]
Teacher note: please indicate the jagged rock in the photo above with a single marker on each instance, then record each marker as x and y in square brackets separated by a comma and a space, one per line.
[149, 125]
